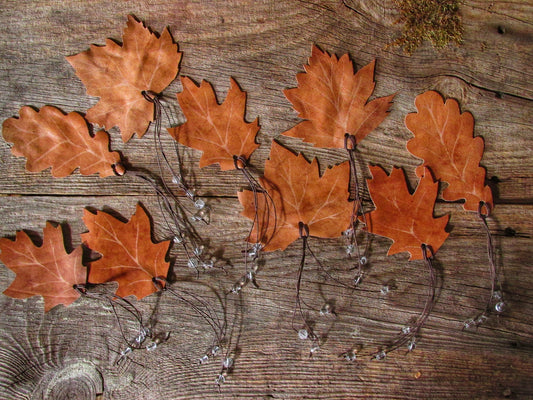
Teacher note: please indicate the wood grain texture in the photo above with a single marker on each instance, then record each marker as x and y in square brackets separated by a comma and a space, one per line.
[71, 352]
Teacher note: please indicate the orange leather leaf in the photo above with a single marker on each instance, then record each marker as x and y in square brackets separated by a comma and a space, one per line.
[405, 218]
[299, 195]
[119, 74]
[46, 270]
[444, 140]
[333, 101]
[218, 130]
[129, 256]
[49, 138]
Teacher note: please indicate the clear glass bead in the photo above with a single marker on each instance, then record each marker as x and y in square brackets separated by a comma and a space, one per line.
[250, 275]
[152, 346]
[326, 309]
[406, 330]
[236, 288]
[228, 362]
[385, 289]
[481, 319]
[208, 264]
[497, 295]
[314, 348]
[500, 306]
[176, 180]
[411, 344]
[350, 356]
[126, 351]
[380, 355]
[303, 334]
[350, 249]
[363, 260]
[215, 349]
[177, 239]
[192, 263]
[357, 279]
[201, 215]
[198, 250]
[199, 204]
[469, 323]
[204, 359]
[220, 379]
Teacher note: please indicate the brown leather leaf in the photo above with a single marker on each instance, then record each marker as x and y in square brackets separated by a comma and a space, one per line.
[46, 270]
[444, 140]
[405, 218]
[119, 74]
[129, 256]
[334, 101]
[218, 130]
[299, 194]
[49, 138]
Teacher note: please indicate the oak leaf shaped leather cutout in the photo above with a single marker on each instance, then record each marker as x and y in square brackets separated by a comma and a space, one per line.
[444, 140]
[299, 194]
[129, 256]
[49, 138]
[119, 74]
[218, 130]
[46, 270]
[334, 101]
[405, 218]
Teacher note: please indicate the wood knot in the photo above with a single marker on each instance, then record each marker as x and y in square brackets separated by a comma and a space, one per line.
[78, 380]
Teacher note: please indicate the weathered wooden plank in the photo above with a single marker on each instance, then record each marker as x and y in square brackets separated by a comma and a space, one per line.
[35, 72]
[70, 352]
[272, 361]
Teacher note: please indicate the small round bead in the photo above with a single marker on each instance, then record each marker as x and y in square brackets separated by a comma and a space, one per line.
[220, 379]
[303, 334]
[199, 204]
[350, 249]
[350, 356]
[380, 355]
[363, 260]
[228, 362]
[204, 359]
[406, 330]
[411, 344]
[214, 350]
[177, 239]
[385, 289]
[500, 306]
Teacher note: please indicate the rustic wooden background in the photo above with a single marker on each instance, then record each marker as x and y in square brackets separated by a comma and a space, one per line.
[71, 352]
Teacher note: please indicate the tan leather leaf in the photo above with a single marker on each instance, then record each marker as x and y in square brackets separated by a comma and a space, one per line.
[299, 194]
[49, 138]
[129, 256]
[405, 218]
[334, 101]
[119, 74]
[218, 130]
[444, 140]
[46, 270]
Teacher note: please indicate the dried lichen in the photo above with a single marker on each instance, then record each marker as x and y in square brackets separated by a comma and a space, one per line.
[435, 20]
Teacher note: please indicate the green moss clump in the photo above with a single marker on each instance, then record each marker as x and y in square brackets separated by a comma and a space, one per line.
[435, 20]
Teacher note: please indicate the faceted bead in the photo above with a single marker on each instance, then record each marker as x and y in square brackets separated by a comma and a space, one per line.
[326, 309]
[228, 362]
[199, 204]
[411, 344]
[204, 359]
[350, 249]
[198, 250]
[220, 379]
[177, 239]
[126, 351]
[380, 355]
[303, 334]
[363, 260]
[214, 350]
[192, 263]
[208, 264]
[385, 289]
[406, 330]
[469, 323]
[176, 180]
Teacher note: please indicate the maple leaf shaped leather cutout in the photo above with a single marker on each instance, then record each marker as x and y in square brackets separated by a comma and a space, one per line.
[299, 195]
[444, 140]
[333, 101]
[405, 218]
[218, 130]
[129, 256]
[49, 138]
[119, 74]
[46, 270]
